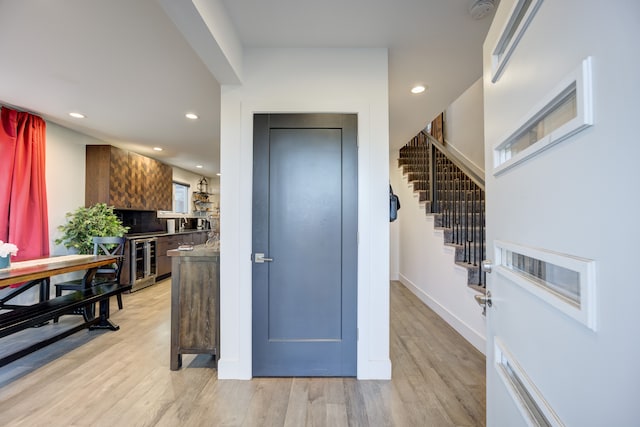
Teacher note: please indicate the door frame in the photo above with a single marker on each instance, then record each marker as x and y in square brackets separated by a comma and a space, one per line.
[373, 360]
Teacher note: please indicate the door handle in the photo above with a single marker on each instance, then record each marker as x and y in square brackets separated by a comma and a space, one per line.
[259, 258]
[484, 301]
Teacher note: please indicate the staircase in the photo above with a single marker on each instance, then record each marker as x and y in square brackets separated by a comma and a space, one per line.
[454, 196]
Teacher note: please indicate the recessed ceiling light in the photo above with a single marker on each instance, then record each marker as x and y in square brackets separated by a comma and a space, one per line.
[418, 89]
[199, 166]
[218, 174]
[191, 116]
[77, 115]
[157, 148]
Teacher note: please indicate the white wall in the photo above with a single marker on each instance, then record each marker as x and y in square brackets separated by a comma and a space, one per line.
[65, 176]
[427, 266]
[307, 80]
[464, 127]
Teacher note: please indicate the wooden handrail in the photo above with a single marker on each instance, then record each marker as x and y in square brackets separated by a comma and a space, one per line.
[479, 180]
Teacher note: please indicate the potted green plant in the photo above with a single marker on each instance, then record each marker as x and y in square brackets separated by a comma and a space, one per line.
[84, 224]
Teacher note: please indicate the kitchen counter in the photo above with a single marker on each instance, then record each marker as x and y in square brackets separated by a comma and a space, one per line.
[198, 251]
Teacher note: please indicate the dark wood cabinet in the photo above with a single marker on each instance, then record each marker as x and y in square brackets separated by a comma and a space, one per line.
[200, 238]
[166, 243]
[195, 304]
[172, 241]
[138, 166]
[159, 187]
[107, 172]
[162, 260]
[126, 180]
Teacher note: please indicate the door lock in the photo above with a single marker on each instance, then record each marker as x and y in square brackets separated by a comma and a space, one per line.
[484, 301]
[259, 258]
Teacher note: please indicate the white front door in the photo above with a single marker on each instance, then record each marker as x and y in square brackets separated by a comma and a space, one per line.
[563, 187]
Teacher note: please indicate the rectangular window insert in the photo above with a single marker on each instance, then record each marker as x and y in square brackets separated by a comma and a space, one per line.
[521, 15]
[518, 14]
[565, 282]
[561, 113]
[532, 405]
[559, 280]
[527, 400]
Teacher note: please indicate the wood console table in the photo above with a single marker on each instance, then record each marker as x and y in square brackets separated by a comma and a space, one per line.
[195, 303]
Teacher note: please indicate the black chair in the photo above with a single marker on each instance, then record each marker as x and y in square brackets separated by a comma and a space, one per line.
[101, 246]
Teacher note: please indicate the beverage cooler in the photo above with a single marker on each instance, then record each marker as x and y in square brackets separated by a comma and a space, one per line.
[143, 262]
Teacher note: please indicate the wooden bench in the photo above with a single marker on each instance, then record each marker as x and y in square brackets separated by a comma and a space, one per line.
[23, 317]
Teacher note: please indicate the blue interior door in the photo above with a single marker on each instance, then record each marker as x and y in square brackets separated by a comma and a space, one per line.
[305, 224]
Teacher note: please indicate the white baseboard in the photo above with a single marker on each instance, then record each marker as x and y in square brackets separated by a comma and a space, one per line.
[374, 370]
[471, 335]
[232, 370]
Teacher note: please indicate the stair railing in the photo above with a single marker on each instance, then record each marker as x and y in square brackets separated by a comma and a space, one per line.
[454, 191]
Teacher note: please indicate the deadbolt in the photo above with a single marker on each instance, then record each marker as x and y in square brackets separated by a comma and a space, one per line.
[487, 265]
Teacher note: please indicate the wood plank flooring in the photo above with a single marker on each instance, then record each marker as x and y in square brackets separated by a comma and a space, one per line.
[122, 378]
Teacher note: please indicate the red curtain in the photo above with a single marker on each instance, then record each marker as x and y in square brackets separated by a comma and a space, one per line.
[23, 195]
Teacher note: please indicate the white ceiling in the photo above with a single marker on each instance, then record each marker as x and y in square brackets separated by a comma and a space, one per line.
[126, 66]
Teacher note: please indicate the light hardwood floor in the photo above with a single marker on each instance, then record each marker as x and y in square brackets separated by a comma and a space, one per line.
[122, 378]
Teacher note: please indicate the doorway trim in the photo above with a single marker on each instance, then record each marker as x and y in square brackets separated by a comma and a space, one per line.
[307, 81]
[373, 247]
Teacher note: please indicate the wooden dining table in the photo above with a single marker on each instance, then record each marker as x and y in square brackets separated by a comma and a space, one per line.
[37, 272]
[24, 275]
[40, 268]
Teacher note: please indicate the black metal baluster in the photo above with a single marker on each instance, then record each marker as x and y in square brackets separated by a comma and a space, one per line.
[454, 186]
[466, 225]
[473, 224]
[482, 274]
[475, 241]
[447, 196]
[432, 178]
[450, 196]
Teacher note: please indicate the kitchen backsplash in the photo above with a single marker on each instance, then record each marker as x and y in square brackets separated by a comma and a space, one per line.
[146, 221]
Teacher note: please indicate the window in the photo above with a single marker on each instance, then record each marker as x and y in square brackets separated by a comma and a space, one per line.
[180, 197]
[560, 111]
[565, 282]
[520, 17]
[529, 400]
[564, 111]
